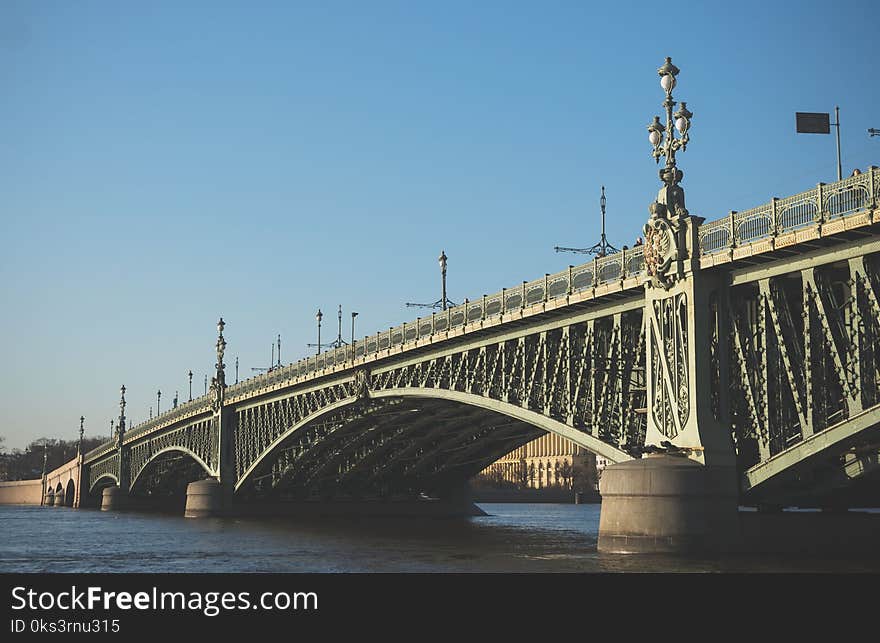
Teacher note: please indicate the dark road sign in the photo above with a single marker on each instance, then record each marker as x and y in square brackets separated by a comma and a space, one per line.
[813, 123]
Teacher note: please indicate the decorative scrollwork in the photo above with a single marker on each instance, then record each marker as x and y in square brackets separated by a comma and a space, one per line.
[669, 365]
[660, 247]
[362, 383]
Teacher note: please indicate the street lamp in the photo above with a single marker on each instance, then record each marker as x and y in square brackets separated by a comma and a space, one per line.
[79, 445]
[668, 211]
[158, 398]
[319, 316]
[120, 427]
[353, 315]
[190, 386]
[601, 249]
[443, 302]
[206, 383]
[682, 123]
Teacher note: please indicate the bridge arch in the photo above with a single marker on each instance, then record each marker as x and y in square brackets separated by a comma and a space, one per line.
[163, 452]
[104, 480]
[585, 440]
[516, 412]
[277, 442]
[69, 493]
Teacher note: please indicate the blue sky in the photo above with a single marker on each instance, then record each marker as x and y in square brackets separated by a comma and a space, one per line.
[165, 163]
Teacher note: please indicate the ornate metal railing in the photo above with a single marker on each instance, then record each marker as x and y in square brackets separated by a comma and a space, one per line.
[197, 405]
[823, 203]
[575, 279]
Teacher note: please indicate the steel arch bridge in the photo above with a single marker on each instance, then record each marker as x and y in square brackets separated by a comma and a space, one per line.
[763, 347]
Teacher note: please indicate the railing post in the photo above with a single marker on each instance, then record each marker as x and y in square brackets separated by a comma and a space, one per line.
[570, 286]
[595, 271]
[623, 263]
[484, 305]
[774, 223]
[522, 304]
[872, 196]
[732, 242]
[820, 210]
[433, 327]
[546, 282]
[503, 302]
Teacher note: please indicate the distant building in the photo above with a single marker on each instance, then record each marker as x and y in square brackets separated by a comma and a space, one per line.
[548, 461]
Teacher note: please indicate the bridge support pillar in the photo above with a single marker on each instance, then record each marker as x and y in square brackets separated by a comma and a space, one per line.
[668, 504]
[59, 499]
[113, 499]
[204, 499]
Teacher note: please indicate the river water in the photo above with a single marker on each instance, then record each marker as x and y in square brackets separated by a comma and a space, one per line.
[512, 538]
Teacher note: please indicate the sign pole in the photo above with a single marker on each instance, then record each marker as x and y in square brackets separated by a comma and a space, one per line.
[837, 125]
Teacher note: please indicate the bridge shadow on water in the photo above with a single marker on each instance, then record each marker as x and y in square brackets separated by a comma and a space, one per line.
[511, 538]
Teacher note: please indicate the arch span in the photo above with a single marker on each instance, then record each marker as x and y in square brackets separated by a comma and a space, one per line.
[104, 480]
[585, 440]
[273, 447]
[69, 493]
[163, 453]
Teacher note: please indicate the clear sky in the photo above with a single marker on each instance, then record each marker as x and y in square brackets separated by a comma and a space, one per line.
[165, 163]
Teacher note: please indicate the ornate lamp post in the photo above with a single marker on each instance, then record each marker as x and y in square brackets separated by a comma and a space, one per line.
[221, 349]
[443, 302]
[662, 239]
[442, 260]
[120, 426]
[353, 315]
[79, 444]
[190, 386]
[158, 398]
[112, 430]
[319, 316]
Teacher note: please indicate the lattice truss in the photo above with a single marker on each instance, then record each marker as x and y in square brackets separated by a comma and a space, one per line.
[589, 376]
[258, 427]
[389, 446]
[804, 354]
[107, 466]
[200, 437]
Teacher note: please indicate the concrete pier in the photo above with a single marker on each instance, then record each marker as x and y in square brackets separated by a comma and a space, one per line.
[113, 499]
[668, 504]
[204, 498]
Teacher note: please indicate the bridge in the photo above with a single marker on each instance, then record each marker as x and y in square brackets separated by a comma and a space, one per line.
[746, 346]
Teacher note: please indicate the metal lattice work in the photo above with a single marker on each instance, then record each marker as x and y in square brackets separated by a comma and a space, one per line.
[791, 352]
[199, 439]
[804, 355]
[106, 467]
[258, 427]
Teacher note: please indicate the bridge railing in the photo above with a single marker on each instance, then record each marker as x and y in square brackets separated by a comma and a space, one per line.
[823, 203]
[602, 270]
[196, 405]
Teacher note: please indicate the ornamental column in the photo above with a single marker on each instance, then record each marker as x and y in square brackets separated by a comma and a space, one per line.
[682, 494]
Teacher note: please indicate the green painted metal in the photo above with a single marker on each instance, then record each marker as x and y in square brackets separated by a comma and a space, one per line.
[566, 353]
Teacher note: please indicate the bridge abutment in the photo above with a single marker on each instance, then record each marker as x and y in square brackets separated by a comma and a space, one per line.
[668, 504]
[204, 499]
[114, 498]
